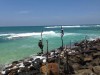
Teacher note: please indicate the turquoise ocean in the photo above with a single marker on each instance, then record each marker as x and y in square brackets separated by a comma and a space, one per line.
[18, 42]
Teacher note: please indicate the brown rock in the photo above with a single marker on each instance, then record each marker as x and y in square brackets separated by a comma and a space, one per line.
[90, 67]
[85, 72]
[13, 72]
[86, 59]
[0, 73]
[98, 47]
[96, 54]
[54, 68]
[50, 68]
[76, 66]
[96, 70]
[44, 69]
[96, 62]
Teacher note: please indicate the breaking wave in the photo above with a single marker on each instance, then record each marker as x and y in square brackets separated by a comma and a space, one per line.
[5, 34]
[73, 26]
[98, 25]
[46, 34]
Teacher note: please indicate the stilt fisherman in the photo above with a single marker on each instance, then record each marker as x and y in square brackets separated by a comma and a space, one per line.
[62, 33]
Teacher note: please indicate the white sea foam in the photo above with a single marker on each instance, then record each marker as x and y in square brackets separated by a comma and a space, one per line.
[73, 34]
[46, 34]
[35, 34]
[98, 25]
[69, 26]
[4, 34]
[92, 37]
[53, 27]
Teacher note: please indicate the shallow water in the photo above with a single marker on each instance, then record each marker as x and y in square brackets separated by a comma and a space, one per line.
[19, 42]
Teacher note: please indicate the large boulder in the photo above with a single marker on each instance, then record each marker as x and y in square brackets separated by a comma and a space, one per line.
[88, 59]
[15, 62]
[76, 66]
[96, 70]
[27, 64]
[85, 72]
[44, 69]
[54, 69]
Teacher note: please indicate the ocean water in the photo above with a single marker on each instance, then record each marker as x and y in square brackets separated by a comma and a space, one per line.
[19, 42]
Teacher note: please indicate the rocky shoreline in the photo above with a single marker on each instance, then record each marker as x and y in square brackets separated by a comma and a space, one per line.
[81, 59]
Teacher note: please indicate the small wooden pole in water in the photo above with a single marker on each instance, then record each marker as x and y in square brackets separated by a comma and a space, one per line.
[62, 43]
[86, 42]
[47, 58]
[70, 44]
[47, 50]
[41, 35]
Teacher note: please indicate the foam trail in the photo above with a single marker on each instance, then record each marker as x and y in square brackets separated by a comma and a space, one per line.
[74, 34]
[69, 26]
[20, 35]
[46, 34]
[92, 37]
[53, 27]
[5, 34]
[98, 25]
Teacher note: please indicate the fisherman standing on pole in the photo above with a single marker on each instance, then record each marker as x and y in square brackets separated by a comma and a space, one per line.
[62, 32]
[40, 43]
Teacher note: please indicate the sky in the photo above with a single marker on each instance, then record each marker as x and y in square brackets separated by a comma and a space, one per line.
[49, 12]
